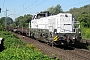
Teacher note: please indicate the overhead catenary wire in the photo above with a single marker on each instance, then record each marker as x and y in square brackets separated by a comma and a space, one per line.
[33, 3]
[25, 8]
[24, 3]
[22, 6]
[33, 6]
[3, 3]
[18, 8]
[65, 6]
[38, 4]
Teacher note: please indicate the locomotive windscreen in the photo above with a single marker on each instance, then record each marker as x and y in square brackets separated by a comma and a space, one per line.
[40, 15]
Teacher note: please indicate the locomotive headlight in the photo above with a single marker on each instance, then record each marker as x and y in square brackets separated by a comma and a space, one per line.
[73, 38]
[55, 31]
[79, 32]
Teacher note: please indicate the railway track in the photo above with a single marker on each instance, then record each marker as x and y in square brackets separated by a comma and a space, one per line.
[84, 52]
[86, 41]
[80, 54]
[76, 54]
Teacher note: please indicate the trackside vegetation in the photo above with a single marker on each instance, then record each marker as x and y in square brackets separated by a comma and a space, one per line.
[15, 49]
[82, 14]
[85, 33]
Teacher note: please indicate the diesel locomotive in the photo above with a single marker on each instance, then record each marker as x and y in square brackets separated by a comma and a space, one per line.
[60, 29]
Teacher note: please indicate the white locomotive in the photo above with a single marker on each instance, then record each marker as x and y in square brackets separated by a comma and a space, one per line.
[60, 29]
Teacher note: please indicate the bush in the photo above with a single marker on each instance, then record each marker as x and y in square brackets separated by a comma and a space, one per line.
[22, 54]
[85, 32]
[15, 49]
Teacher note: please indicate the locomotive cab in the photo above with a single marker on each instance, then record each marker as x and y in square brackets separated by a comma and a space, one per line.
[41, 15]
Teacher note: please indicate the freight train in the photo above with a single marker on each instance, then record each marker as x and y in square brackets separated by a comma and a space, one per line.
[60, 29]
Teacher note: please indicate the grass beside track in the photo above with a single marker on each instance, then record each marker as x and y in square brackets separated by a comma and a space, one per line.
[15, 49]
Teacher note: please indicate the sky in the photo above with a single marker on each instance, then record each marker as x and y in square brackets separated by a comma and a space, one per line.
[18, 8]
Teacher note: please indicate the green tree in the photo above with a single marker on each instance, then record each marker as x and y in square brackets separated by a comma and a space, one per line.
[82, 14]
[55, 10]
[84, 19]
[6, 21]
[23, 20]
[18, 21]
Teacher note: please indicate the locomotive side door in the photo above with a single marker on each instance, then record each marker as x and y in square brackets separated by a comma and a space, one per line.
[51, 24]
[60, 25]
